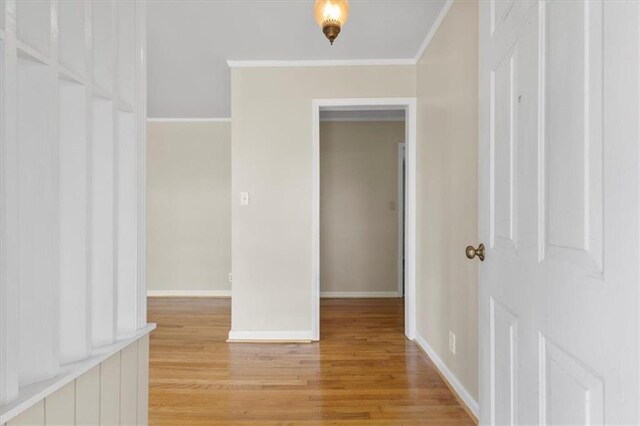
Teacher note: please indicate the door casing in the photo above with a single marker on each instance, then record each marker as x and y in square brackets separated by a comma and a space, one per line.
[350, 104]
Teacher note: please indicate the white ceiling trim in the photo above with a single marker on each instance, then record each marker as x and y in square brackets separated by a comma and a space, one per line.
[433, 30]
[189, 120]
[350, 62]
[320, 63]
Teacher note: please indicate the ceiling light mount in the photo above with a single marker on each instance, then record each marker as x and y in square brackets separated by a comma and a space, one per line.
[331, 15]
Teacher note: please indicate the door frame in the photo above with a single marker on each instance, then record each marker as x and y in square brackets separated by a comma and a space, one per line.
[409, 105]
[400, 207]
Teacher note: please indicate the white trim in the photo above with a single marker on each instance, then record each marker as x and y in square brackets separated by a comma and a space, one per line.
[400, 214]
[270, 336]
[188, 293]
[356, 119]
[320, 63]
[348, 62]
[32, 394]
[433, 30]
[188, 120]
[358, 294]
[462, 392]
[409, 105]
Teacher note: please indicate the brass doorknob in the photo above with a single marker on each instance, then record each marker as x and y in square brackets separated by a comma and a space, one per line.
[472, 252]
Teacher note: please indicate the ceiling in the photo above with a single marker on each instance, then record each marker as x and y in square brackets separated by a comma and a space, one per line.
[190, 41]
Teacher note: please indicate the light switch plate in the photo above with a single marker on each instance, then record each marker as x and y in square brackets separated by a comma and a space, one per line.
[244, 198]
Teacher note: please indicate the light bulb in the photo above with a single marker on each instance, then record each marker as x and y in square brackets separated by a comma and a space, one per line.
[331, 16]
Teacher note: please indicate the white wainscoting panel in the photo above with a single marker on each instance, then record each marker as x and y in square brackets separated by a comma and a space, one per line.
[110, 390]
[129, 385]
[60, 407]
[108, 394]
[87, 407]
[32, 417]
[72, 222]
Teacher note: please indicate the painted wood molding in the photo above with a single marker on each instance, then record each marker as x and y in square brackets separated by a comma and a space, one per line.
[349, 62]
[458, 388]
[189, 120]
[320, 63]
[359, 294]
[189, 293]
[270, 336]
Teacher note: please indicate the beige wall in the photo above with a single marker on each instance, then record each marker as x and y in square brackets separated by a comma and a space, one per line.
[271, 156]
[447, 192]
[114, 392]
[358, 207]
[189, 207]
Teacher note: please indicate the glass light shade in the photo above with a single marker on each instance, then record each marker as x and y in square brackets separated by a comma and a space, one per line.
[334, 12]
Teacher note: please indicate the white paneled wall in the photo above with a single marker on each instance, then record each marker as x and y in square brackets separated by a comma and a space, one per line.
[103, 223]
[127, 223]
[111, 393]
[72, 150]
[73, 173]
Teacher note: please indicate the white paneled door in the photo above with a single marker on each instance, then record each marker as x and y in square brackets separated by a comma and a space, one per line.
[559, 198]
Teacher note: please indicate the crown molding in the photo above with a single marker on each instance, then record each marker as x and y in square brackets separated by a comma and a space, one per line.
[434, 28]
[188, 120]
[348, 62]
[320, 63]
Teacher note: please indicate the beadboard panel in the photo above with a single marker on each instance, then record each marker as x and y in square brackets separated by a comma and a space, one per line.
[32, 417]
[110, 390]
[60, 406]
[143, 380]
[112, 393]
[128, 385]
[88, 397]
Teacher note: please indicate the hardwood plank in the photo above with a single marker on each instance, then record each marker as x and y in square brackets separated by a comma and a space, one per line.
[362, 370]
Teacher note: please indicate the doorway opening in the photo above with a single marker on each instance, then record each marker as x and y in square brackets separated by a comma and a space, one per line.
[367, 227]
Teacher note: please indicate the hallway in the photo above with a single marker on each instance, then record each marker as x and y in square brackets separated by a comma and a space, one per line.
[362, 370]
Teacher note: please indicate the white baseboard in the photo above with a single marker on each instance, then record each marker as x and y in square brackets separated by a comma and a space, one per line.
[359, 294]
[188, 293]
[463, 394]
[270, 336]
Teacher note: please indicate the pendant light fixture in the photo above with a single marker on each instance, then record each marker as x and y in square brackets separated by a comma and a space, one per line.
[331, 16]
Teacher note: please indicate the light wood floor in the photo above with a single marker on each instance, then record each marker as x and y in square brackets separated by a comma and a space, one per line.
[362, 371]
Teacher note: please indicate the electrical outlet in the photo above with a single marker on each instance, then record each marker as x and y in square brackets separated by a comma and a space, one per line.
[452, 342]
[230, 278]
